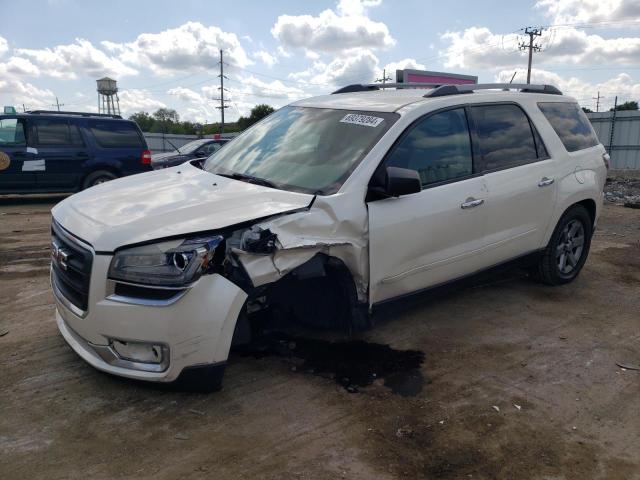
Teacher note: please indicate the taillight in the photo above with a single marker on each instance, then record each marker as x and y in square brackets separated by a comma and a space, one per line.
[606, 159]
[145, 159]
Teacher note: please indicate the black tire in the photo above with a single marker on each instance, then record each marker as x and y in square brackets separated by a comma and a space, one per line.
[568, 248]
[97, 177]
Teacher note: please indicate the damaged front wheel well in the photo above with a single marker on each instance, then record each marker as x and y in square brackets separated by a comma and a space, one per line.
[320, 293]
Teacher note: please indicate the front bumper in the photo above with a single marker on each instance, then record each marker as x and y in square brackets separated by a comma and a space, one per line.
[196, 329]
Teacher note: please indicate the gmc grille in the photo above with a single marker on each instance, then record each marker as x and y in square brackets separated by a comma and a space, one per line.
[71, 266]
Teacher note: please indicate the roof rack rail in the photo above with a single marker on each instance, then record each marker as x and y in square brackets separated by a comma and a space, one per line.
[471, 87]
[364, 87]
[81, 114]
[442, 89]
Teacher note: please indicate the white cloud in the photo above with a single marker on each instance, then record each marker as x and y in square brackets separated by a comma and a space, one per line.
[4, 46]
[21, 93]
[136, 100]
[591, 11]
[622, 85]
[17, 66]
[191, 46]
[359, 66]
[265, 57]
[478, 48]
[78, 58]
[331, 32]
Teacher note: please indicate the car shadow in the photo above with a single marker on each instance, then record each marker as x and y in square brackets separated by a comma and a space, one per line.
[33, 199]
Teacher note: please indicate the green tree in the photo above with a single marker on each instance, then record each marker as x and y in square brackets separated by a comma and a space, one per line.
[166, 115]
[257, 113]
[626, 106]
[587, 110]
[144, 120]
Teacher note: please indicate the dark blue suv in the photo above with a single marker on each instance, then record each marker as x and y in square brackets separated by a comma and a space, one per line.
[46, 151]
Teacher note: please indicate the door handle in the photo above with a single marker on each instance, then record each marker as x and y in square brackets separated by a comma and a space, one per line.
[545, 182]
[471, 203]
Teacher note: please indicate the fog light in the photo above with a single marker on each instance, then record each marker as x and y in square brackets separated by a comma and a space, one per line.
[139, 351]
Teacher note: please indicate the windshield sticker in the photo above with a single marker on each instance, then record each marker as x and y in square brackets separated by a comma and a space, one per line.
[365, 120]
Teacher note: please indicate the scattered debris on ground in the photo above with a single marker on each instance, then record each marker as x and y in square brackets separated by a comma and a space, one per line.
[623, 190]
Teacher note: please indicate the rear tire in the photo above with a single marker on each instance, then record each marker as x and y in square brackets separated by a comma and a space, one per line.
[568, 248]
[97, 177]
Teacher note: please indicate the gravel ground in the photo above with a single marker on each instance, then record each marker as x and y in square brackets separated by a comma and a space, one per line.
[623, 190]
[519, 381]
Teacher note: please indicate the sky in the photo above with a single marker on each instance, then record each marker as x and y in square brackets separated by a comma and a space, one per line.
[165, 54]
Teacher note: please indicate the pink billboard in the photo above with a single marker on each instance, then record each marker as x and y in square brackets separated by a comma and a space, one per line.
[424, 76]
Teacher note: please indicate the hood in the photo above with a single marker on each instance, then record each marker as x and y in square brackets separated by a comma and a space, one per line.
[168, 202]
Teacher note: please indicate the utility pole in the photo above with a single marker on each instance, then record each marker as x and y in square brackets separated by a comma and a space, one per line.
[597, 99]
[221, 88]
[532, 32]
[58, 104]
[384, 77]
[613, 124]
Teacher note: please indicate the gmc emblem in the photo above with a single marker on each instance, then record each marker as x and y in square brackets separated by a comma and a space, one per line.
[59, 255]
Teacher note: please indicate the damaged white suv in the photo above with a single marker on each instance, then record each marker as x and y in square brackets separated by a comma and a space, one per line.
[321, 212]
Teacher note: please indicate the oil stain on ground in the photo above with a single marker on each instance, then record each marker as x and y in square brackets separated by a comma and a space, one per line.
[352, 364]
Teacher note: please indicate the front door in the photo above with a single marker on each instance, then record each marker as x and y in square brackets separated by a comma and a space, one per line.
[437, 235]
[17, 164]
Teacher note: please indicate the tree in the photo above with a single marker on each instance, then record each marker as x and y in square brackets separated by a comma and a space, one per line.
[144, 121]
[626, 106]
[257, 113]
[587, 110]
[166, 115]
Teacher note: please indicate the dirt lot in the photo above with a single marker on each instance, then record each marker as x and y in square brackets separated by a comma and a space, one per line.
[521, 382]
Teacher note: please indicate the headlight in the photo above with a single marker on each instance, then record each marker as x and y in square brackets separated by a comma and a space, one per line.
[173, 264]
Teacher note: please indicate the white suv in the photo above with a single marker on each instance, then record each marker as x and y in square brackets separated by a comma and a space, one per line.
[321, 212]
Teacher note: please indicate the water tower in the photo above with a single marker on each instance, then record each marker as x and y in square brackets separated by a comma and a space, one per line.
[108, 101]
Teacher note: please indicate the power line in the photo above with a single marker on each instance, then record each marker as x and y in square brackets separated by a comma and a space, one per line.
[597, 99]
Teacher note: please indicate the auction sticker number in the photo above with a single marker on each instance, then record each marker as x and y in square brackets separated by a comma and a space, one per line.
[364, 120]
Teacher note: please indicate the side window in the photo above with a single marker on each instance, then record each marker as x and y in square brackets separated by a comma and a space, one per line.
[52, 132]
[438, 148]
[505, 136]
[115, 134]
[571, 125]
[12, 133]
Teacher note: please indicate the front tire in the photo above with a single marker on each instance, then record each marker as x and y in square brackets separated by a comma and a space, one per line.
[568, 248]
[97, 177]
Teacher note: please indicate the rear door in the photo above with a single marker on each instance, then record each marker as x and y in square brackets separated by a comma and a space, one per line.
[17, 160]
[520, 179]
[428, 238]
[61, 147]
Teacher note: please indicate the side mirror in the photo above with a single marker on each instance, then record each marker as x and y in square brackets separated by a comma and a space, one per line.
[402, 181]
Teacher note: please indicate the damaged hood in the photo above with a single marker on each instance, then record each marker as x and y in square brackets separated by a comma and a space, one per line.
[164, 203]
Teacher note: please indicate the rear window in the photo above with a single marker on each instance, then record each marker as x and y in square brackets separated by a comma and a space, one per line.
[116, 134]
[571, 125]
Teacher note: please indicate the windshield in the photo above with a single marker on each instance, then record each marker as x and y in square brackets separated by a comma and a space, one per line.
[192, 146]
[312, 150]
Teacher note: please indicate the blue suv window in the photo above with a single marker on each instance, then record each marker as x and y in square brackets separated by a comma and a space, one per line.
[116, 134]
[56, 132]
